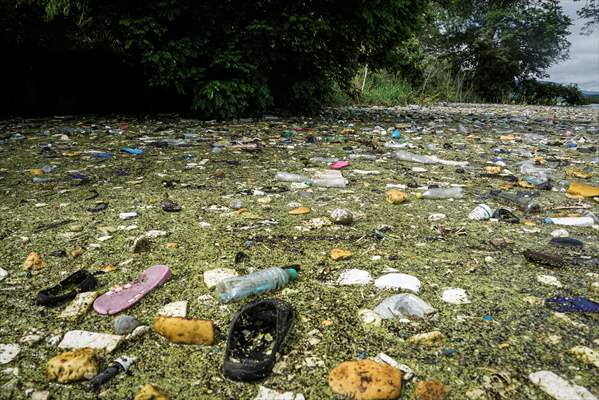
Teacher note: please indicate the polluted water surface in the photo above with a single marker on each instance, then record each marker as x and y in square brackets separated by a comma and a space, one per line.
[159, 211]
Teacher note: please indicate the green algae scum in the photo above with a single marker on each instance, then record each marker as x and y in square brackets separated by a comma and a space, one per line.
[51, 173]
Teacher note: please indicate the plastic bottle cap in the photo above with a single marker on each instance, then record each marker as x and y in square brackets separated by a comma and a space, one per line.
[292, 273]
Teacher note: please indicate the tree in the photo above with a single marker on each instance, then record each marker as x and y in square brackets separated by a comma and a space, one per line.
[589, 11]
[548, 93]
[237, 57]
[498, 43]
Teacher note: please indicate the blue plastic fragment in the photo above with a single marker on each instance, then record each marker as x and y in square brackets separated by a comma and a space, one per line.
[103, 156]
[449, 352]
[130, 150]
[79, 176]
[396, 134]
[488, 318]
[572, 304]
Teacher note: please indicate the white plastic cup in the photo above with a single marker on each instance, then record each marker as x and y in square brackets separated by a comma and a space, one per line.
[480, 213]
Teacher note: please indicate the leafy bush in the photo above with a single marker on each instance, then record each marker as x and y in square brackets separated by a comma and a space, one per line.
[386, 89]
[228, 57]
[592, 99]
[548, 93]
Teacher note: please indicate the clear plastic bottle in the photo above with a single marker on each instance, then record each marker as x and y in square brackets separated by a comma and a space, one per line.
[571, 221]
[265, 280]
[533, 174]
[418, 158]
[411, 157]
[395, 145]
[288, 177]
[442, 193]
[328, 182]
[524, 203]
[328, 178]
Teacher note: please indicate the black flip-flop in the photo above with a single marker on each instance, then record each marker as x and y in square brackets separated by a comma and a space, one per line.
[256, 335]
[505, 215]
[67, 289]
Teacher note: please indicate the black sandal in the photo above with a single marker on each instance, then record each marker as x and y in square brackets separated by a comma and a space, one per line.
[67, 289]
[505, 215]
[256, 335]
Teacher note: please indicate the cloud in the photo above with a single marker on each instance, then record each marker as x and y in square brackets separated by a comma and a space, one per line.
[583, 66]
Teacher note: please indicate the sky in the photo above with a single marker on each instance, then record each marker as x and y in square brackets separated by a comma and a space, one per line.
[583, 66]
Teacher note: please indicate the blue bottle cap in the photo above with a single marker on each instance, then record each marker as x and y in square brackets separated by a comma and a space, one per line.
[292, 274]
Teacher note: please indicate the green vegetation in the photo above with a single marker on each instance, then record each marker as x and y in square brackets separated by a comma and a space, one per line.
[549, 93]
[386, 89]
[390, 89]
[496, 44]
[594, 99]
[233, 58]
[478, 51]
[228, 58]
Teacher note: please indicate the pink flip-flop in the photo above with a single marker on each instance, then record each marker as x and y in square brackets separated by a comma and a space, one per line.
[339, 164]
[123, 297]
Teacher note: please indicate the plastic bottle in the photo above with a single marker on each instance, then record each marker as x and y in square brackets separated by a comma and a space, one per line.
[288, 177]
[328, 178]
[536, 180]
[571, 221]
[441, 193]
[328, 182]
[395, 145]
[534, 175]
[411, 157]
[418, 158]
[265, 280]
[523, 203]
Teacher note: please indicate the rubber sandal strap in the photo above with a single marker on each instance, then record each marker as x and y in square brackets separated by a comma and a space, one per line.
[82, 280]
